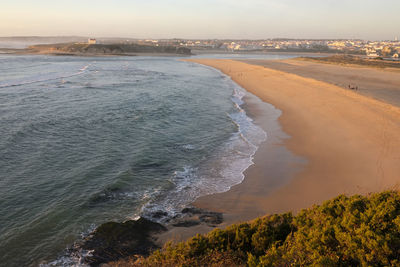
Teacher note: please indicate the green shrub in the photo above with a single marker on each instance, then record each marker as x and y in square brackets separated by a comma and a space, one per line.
[345, 231]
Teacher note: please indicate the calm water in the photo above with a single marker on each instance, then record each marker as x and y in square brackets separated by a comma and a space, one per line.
[88, 140]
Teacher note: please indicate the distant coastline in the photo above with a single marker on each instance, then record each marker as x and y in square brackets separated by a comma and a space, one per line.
[87, 49]
[389, 49]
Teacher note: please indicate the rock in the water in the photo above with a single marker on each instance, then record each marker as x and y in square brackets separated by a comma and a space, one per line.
[159, 214]
[112, 241]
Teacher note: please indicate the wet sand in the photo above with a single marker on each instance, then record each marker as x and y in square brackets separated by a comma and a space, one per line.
[350, 144]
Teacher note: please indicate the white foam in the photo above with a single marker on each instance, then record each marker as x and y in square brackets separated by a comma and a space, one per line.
[189, 147]
[221, 171]
[69, 260]
[75, 259]
[43, 78]
[88, 231]
[135, 218]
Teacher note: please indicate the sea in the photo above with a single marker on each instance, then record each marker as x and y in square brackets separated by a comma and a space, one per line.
[87, 140]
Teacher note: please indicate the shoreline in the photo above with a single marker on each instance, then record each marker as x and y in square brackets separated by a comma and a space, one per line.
[330, 127]
[282, 165]
[274, 166]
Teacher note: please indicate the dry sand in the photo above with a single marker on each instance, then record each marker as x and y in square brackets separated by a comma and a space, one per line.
[381, 84]
[351, 144]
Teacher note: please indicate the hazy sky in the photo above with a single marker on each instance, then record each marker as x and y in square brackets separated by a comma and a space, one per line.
[366, 19]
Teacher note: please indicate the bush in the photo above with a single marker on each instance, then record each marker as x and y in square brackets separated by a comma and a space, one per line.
[345, 231]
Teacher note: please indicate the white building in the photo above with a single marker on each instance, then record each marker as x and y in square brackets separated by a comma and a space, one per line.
[92, 41]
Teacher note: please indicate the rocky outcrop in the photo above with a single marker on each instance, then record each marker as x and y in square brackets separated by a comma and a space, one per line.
[112, 241]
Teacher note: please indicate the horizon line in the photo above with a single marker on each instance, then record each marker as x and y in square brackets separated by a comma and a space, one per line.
[177, 38]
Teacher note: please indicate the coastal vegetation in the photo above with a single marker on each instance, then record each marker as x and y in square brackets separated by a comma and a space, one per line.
[345, 231]
[354, 60]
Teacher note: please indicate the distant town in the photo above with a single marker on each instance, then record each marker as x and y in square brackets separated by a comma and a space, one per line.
[388, 49]
[362, 47]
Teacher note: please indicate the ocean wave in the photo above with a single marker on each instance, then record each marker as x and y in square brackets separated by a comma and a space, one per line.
[222, 170]
[189, 147]
[43, 78]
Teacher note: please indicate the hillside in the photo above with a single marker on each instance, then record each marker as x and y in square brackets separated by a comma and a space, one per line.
[106, 49]
[345, 231]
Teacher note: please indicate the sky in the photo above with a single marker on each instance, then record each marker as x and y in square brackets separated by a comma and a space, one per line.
[203, 19]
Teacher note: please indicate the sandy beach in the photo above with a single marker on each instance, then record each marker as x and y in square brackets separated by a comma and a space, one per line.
[338, 142]
[381, 84]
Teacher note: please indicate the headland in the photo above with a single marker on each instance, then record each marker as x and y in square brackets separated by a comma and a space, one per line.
[87, 49]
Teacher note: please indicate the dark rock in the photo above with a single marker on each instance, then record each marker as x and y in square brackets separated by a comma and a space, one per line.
[112, 241]
[186, 223]
[207, 217]
[192, 210]
[159, 214]
[212, 218]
